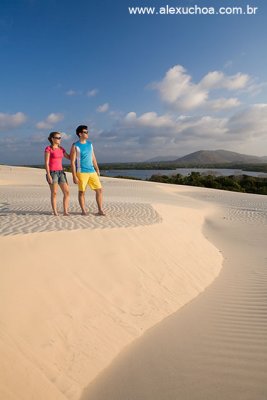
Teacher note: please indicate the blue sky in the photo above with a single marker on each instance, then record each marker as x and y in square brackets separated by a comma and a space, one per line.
[147, 85]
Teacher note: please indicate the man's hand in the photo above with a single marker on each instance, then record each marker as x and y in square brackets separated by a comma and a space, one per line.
[75, 180]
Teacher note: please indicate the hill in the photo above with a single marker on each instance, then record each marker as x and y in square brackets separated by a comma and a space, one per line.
[161, 158]
[218, 157]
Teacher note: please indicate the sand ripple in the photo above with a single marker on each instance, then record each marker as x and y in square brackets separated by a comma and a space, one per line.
[29, 219]
[243, 207]
[249, 216]
[27, 209]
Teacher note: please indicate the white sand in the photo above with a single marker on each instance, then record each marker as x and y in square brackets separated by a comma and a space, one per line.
[76, 290]
[216, 346]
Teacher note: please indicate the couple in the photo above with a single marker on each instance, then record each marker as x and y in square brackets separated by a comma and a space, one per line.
[84, 169]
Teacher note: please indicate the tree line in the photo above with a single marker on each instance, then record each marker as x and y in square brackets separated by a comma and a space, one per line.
[236, 183]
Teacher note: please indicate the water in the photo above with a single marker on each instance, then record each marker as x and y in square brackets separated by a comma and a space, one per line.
[147, 173]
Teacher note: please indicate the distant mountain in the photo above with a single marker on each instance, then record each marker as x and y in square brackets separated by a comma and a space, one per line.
[205, 157]
[219, 157]
[161, 159]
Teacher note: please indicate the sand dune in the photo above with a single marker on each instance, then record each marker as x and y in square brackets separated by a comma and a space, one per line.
[127, 306]
[75, 291]
[215, 347]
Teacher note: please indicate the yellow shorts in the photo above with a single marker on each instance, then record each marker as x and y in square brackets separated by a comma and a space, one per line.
[90, 179]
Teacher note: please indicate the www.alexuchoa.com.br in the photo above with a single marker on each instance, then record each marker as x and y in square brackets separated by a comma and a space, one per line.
[193, 10]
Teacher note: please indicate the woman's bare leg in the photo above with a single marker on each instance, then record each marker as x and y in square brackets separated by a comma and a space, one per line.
[53, 189]
[66, 197]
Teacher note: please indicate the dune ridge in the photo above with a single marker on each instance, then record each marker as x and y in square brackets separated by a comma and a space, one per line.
[62, 322]
[215, 347]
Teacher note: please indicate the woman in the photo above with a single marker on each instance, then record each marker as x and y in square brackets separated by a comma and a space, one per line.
[54, 171]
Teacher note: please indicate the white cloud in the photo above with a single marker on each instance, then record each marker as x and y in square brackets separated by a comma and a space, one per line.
[223, 103]
[12, 120]
[178, 90]
[66, 136]
[43, 125]
[50, 120]
[71, 92]
[236, 82]
[218, 80]
[251, 121]
[139, 136]
[103, 108]
[54, 118]
[169, 126]
[89, 93]
[42, 138]
[92, 93]
[38, 138]
[148, 134]
[149, 119]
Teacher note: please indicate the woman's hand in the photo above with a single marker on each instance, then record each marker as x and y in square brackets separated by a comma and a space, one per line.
[49, 179]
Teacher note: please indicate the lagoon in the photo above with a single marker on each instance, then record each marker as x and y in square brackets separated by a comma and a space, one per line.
[144, 174]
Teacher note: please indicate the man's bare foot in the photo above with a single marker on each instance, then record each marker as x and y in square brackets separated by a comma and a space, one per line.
[66, 214]
[85, 213]
[55, 213]
[101, 212]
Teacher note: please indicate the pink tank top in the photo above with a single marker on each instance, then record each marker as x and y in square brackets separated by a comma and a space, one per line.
[56, 156]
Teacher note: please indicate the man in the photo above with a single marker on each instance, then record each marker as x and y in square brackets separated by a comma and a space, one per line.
[84, 169]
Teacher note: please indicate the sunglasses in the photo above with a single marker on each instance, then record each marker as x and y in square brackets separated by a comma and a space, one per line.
[57, 137]
[86, 132]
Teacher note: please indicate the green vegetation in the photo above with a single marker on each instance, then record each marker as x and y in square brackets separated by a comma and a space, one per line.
[173, 165]
[124, 177]
[242, 183]
[138, 166]
[170, 165]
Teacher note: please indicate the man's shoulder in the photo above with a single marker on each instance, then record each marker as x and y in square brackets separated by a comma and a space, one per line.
[88, 144]
[76, 144]
[82, 145]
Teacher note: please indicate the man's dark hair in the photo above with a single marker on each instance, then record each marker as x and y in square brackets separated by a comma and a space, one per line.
[80, 128]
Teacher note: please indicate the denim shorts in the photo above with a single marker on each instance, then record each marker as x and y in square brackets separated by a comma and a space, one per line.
[58, 177]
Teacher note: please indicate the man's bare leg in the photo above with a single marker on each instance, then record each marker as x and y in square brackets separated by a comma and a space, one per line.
[81, 198]
[99, 201]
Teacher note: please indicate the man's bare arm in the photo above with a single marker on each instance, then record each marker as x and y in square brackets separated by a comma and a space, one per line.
[95, 163]
[72, 164]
